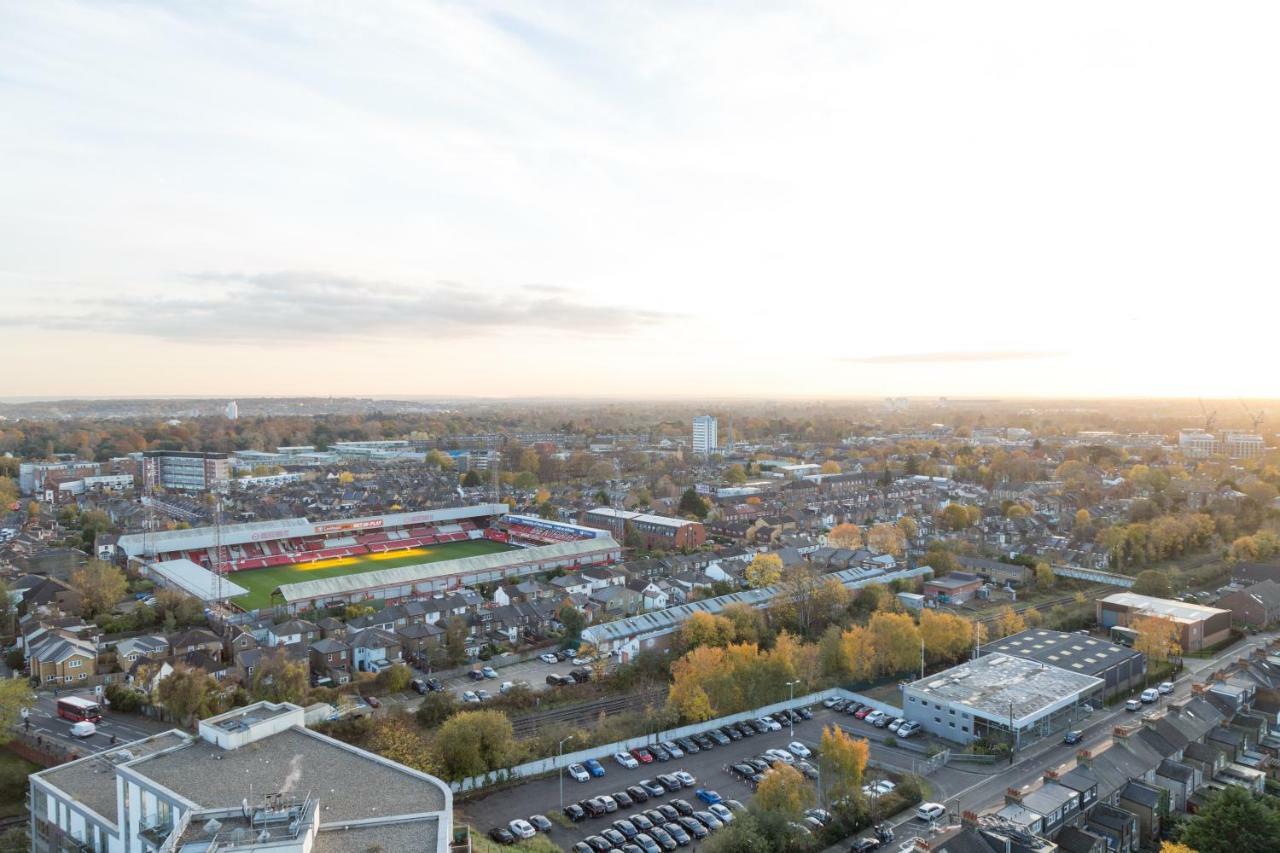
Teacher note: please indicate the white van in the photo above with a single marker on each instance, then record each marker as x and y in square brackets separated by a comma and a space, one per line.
[84, 728]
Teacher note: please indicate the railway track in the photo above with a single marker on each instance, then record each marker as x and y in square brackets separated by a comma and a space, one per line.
[585, 711]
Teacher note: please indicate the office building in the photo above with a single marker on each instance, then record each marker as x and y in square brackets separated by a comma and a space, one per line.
[705, 438]
[657, 531]
[1198, 626]
[254, 778]
[185, 471]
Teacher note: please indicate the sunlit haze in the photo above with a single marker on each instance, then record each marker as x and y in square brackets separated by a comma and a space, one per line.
[619, 199]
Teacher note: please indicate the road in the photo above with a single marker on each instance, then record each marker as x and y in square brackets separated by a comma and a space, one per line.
[44, 722]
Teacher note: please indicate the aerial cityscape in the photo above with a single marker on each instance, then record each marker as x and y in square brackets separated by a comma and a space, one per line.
[621, 428]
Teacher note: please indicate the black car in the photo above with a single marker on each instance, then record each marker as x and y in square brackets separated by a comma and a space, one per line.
[1073, 737]
[864, 845]
[694, 827]
[540, 823]
[476, 675]
[838, 704]
[502, 835]
[853, 708]
[746, 771]
[677, 832]
[637, 794]
[582, 676]
[689, 745]
[655, 817]
[643, 822]
[665, 841]
[759, 765]
[805, 713]
[670, 782]
[632, 848]
[623, 799]
[581, 847]
[613, 836]
[668, 812]
[575, 812]
[626, 827]
[659, 752]
[706, 741]
[594, 807]
[555, 680]
[684, 807]
[597, 843]
[731, 733]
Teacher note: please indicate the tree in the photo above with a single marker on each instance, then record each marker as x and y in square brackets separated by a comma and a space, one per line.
[859, 653]
[887, 539]
[691, 503]
[734, 475]
[831, 466]
[843, 759]
[395, 737]
[1233, 821]
[346, 478]
[189, 694]
[1152, 583]
[573, 621]
[455, 641]
[15, 694]
[526, 480]
[785, 792]
[958, 516]
[763, 570]
[940, 559]
[1044, 576]
[394, 678]
[1007, 622]
[435, 708]
[1158, 638]
[547, 510]
[896, 640]
[1174, 847]
[947, 637]
[749, 624]
[687, 699]
[474, 742]
[706, 629]
[278, 678]
[100, 585]
[631, 537]
[471, 479]
[908, 526]
[845, 535]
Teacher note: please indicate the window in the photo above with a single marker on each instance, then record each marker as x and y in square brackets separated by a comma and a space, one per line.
[84, 675]
[74, 663]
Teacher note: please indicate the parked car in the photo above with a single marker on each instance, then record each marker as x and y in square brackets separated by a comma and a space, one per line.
[721, 811]
[864, 845]
[897, 721]
[1165, 688]
[419, 686]
[676, 831]
[669, 782]
[682, 806]
[798, 749]
[659, 752]
[909, 728]
[502, 835]
[771, 725]
[623, 799]
[712, 822]
[1133, 705]
[626, 760]
[863, 713]
[707, 796]
[470, 697]
[694, 827]
[1149, 695]
[642, 755]
[609, 803]
[488, 672]
[805, 713]
[685, 778]
[548, 657]
[820, 815]
[929, 812]
[626, 827]
[652, 788]
[594, 767]
[637, 793]
[597, 843]
[647, 844]
[689, 745]
[578, 773]
[665, 841]
[540, 822]
[575, 812]
[476, 675]
[731, 733]
[643, 822]
[1073, 737]
[521, 828]
[673, 749]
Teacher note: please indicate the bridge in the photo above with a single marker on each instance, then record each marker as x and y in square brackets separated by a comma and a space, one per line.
[1092, 576]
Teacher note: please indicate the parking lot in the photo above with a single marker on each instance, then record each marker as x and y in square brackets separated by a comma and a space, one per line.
[710, 768]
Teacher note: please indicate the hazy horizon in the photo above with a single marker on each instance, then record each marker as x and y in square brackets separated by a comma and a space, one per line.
[639, 201]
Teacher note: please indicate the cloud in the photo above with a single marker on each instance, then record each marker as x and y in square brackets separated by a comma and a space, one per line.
[298, 306]
[954, 357]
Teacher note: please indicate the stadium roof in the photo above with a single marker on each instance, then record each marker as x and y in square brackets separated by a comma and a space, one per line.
[420, 572]
[196, 580]
[135, 544]
[665, 620]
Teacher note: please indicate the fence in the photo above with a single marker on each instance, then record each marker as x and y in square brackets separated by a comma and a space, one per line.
[557, 763]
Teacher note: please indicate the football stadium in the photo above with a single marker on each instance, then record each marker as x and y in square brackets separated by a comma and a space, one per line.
[300, 564]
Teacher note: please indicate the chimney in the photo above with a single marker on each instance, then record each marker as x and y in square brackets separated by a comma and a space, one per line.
[1012, 795]
[1199, 689]
[1051, 775]
[1083, 757]
[1122, 732]
[969, 819]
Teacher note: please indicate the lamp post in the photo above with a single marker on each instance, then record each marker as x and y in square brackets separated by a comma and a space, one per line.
[560, 749]
[791, 721]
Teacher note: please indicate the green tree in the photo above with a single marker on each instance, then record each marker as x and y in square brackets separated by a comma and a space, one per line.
[1233, 821]
[436, 708]
[785, 792]
[526, 480]
[453, 651]
[278, 678]
[547, 510]
[631, 537]
[1044, 576]
[691, 503]
[573, 621]
[393, 679]
[101, 586]
[474, 742]
[189, 694]
[734, 475]
[15, 694]
[1153, 583]
[471, 479]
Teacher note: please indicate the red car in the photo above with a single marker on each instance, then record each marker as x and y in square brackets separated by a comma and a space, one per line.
[862, 715]
[642, 755]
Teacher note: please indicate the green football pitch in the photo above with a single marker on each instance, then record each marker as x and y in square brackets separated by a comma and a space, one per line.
[260, 582]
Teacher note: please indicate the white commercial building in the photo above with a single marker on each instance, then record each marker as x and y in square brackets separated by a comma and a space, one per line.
[705, 438]
[254, 778]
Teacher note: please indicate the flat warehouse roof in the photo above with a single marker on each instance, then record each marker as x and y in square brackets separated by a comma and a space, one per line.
[998, 686]
[646, 518]
[1076, 652]
[1177, 610]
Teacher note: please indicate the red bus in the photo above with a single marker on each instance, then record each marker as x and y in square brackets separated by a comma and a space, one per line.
[76, 709]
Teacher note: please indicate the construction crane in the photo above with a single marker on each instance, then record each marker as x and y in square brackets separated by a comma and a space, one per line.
[1209, 417]
[1254, 417]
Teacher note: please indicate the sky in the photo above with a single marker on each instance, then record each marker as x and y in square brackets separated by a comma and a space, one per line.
[685, 199]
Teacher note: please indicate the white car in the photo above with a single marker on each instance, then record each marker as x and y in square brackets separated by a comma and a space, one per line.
[673, 749]
[584, 661]
[1165, 688]
[626, 760]
[770, 724]
[548, 657]
[781, 755]
[470, 697]
[897, 722]
[721, 811]
[929, 812]
[874, 717]
[578, 773]
[521, 828]
[799, 750]
[1149, 695]
[686, 778]
[908, 728]
[84, 728]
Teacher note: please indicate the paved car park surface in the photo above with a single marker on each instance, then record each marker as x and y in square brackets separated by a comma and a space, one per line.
[710, 768]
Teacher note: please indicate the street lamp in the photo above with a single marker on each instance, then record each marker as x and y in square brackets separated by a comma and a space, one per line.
[560, 749]
[791, 720]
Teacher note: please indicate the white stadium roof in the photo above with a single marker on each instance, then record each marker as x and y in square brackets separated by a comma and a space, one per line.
[422, 572]
[196, 580]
